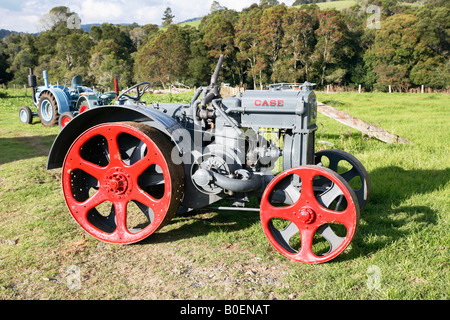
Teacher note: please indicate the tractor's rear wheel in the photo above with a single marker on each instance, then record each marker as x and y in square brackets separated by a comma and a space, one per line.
[350, 168]
[48, 109]
[120, 183]
[309, 214]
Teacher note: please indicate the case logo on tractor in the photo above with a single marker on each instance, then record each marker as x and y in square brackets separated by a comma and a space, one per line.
[269, 103]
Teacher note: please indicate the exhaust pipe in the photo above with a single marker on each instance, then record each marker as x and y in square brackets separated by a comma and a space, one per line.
[32, 83]
[203, 177]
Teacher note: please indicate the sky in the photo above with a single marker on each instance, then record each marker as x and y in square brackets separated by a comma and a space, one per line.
[24, 15]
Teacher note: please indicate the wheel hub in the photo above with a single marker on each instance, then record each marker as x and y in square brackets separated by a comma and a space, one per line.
[307, 215]
[117, 182]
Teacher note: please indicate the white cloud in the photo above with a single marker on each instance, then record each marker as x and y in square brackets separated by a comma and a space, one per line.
[93, 10]
[23, 22]
[23, 15]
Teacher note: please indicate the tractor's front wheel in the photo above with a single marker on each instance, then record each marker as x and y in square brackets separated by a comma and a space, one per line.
[309, 214]
[48, 109]
[120, 183]
[25, 115]
[65, 118]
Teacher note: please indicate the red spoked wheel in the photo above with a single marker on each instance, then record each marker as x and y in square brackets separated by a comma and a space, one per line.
[65, 118]
[120, 183]
[309, 214]
[84, 107]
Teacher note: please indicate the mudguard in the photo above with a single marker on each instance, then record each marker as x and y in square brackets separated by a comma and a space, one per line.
[96, 116]
[61, 99]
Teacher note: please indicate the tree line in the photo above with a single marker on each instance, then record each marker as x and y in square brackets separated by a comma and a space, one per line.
[264, 43]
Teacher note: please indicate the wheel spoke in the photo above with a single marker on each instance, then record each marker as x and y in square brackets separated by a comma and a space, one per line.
[82, 208]
[115, 158]
[120, 209]
[90, 168]
[288, 232]
[152, 157]
[144, 198]
[326, 198]
[307, 191]
[306, 254]
[334, 240]
[350, 174]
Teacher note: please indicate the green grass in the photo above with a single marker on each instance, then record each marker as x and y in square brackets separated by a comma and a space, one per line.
[338, 5]
[210, 255]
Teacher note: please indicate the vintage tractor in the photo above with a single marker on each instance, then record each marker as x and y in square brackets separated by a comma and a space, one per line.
[58, 104]
[128, 169]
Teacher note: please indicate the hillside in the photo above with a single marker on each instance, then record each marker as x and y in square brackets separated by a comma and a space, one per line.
[338, 5]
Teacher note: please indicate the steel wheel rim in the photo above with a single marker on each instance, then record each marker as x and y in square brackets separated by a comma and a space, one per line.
[46, 110]
[308, 215]
[23, 116]
[116, 183]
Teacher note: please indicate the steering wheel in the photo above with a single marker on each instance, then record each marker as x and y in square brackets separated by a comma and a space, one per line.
[99, 88]
[139, 93]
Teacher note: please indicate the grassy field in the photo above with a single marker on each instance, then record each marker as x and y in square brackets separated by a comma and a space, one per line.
[338, 5]
[403, 233]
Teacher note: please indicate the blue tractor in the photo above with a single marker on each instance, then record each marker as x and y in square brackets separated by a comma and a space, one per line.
[58, 104]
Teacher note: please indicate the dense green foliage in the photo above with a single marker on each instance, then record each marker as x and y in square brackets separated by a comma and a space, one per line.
[262, 44]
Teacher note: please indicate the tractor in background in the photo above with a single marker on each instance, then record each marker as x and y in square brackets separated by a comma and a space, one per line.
[58, 104]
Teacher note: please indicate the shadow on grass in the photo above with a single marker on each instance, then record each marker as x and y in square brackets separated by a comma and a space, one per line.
[386, 216]
[202, 222]
[20, 148]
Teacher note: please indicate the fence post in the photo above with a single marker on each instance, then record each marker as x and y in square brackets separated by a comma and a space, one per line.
[359, 89]
[390, 89]
[421, 89]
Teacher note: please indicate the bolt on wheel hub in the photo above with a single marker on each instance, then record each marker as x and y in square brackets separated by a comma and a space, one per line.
[118, 182]
[307, 215]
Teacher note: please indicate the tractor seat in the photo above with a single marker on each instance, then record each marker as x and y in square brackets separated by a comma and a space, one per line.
[76, 82]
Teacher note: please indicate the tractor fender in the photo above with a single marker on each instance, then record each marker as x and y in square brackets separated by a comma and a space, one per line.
[104, 114]
[89, 101]
[61, 99]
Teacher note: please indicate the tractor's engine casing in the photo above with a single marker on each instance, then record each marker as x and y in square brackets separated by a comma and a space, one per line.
[251, 134]
[292, 112]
